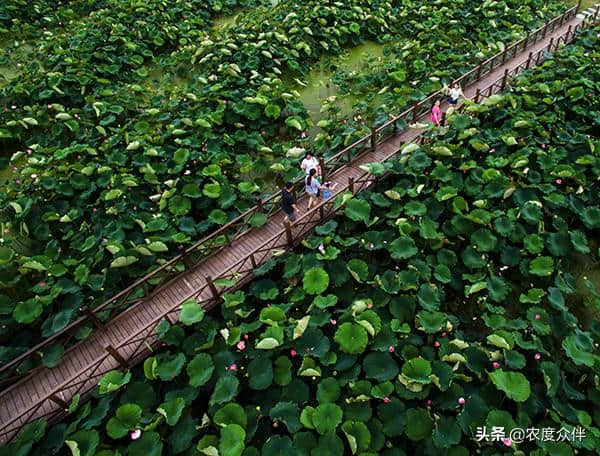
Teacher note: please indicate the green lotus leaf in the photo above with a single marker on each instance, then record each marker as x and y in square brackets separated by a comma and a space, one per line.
[431, 322]
[113, 381]
[225, 389]
[212, 190]
[232, 439]
[447, 433]
[191, 312]
[172, 410]
[531, 213]
[429, 297]
[218, 217]
[260, 373]
[169, 366]
[418, 424]
[579, 352]
[579, 241]
[380, 366]
[200, 369]
[326, 418]
[27, 312]
[358, 435]
[591, 217]
[272, 315]
[542, 266]
[282, 371]
[485, 240]
[231, 413]
[288, 413]
[358, 210]
[328, 390]
[417, 370]
[551, 374]
[497, 287]
[415, 208]
[352, 338]
[358, 268]
[84, 442]
[514, 384]
[278, 445]
[402, 248]
[315, 281]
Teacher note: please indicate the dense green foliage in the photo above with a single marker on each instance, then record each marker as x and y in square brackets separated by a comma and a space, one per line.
[122, 154]
[443, 300]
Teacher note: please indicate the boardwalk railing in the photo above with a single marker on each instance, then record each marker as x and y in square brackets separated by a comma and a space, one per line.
[151, 283]
[137, 346]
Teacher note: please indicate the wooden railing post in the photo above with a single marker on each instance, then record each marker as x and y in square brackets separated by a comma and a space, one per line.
[259, 204]
[477, 94]
[89, 313]
[323, 170]
[351, 184]
[529, 60]
[395, 126]
[526, 40]
[568, 33]
[596, 13]
[504, 56]
[544, 30]
[578, 6]
[550, 44]
[504, 78]
[478, 72]
[117, 356]
[253, 261]
[415, 112]
[213, 289]
[57, 400]
[373, 138]
[288, 233]
[321, 212]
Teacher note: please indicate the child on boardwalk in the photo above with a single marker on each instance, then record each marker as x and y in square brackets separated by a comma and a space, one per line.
[328, 187]
[313, 187]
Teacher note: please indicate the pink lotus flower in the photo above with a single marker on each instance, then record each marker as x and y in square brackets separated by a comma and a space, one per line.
[443, 334]
[6, 230]
[391, 349]
[429, 402]
[241, 345]
[538, 317]
[386, 400]
[461, 400]
[42, 284]
[94, 210]
[135, 434]
[333, 322]
[293, 353]
[18, 181]
[135, 208]
[507, 441]
[246, 336]
[233, 367]
[537, 356]
[496, 365]
[369, 306]
[187, 172]
[29, 151]
[492, 151]
[558, 181]
[436, 344]
[543, 146]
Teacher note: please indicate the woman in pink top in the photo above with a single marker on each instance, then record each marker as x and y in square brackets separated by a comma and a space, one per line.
[436, 113]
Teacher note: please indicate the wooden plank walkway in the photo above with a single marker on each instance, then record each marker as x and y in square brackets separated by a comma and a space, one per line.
[47, 392]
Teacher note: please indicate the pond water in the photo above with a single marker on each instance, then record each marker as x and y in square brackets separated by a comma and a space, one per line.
[318, 85]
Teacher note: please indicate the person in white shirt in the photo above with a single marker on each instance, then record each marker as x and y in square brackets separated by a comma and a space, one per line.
[310, 162]
[455, 93]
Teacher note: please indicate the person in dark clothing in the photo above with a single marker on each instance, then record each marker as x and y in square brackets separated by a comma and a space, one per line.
[288, 202]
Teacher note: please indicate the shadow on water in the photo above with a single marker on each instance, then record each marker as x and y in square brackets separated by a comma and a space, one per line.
[586, 299]
[319, 88]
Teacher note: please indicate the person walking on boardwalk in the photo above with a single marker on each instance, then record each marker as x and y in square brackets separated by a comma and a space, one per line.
[436, 113]
[313, 187]
[455, 93]
[288, 203]
[310, 162]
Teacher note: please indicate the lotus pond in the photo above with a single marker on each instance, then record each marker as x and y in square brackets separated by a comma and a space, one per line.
[441, 300]
[136, 124]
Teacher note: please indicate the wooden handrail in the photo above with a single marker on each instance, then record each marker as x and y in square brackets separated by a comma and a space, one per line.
[241, 220]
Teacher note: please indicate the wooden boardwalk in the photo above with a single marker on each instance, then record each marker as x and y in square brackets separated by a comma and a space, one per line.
[47, 392]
